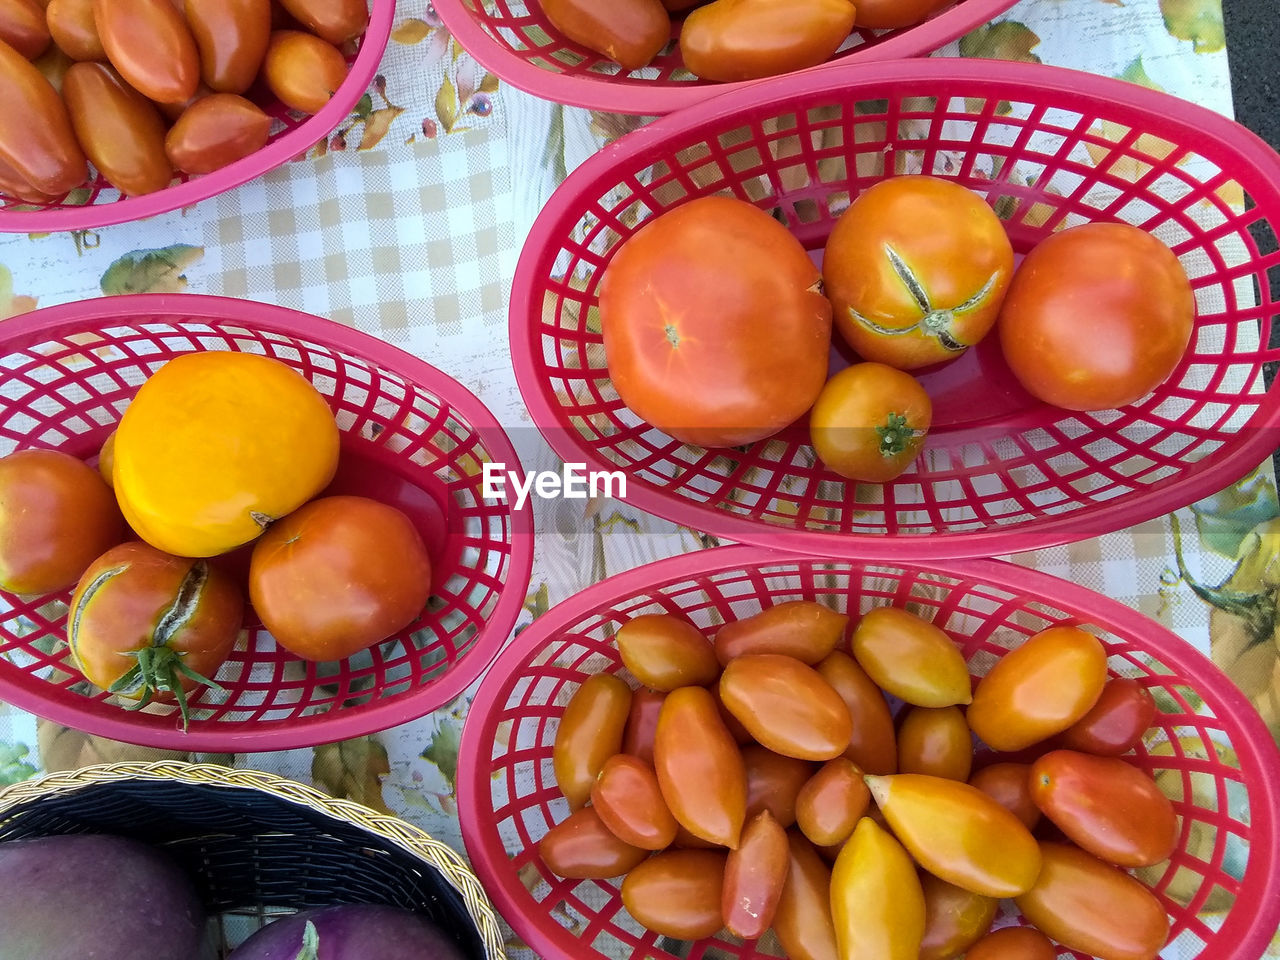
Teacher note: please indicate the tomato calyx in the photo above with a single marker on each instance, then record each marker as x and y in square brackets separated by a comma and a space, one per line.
[896, 435]
[936, 322]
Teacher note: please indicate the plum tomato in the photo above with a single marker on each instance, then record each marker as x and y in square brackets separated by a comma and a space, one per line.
[23, 27]
[302, 71]
[665, 652]
[802, 629]
[73, 30]
[1116, 723]
[1009, 784]
[1096, 317]
[831, 802]
[334, 20]
[642, 724]
[717, 293]
[893, 14]
[56, 518]
[590, 732]
[786, 706]
[338, 575]
[954, 918]
[877, 902]
[873, 744]
[935, 741]
[628, 32]
[676, 893]
[753, 877]
[1106, 806]
[803, 922]
[916, 269]
[1039, 688]
[581, 847]
[1013, 943]
[149, 42]
[870, 422]
[774, 782]
[231, 36]
[37, 160]
[733, 40]
[911, 658]
[121, 130]
[628, 799]
[214, 131]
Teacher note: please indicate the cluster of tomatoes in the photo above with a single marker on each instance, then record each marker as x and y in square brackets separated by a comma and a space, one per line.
[218, 450]
[144, 88]
[717, 324]
[760, 780]
[729, 40]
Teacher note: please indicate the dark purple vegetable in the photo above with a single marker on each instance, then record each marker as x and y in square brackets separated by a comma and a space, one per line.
[100, 897]
[350, 932]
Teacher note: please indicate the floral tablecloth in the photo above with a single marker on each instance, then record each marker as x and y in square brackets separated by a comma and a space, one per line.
[407, 222]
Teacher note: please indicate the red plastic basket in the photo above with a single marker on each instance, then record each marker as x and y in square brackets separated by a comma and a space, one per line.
[1000, 472]
[99, 204]
[411, 436]
[1208, 734]
[515, 40]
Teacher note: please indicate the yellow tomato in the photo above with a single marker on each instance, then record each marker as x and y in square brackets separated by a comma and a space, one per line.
[215, 446]
[876, 899]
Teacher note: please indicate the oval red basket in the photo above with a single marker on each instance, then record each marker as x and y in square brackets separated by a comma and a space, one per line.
[1000, 472]
[98, 204]
[1207, 734]
[411, 436]
[515, 40]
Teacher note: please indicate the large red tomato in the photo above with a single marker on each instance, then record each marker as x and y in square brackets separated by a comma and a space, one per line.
[1097, 317]
[715, 327]
[916, 270]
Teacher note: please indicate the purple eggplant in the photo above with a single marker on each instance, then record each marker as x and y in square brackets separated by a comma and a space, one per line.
[350, 932]
[95, 897]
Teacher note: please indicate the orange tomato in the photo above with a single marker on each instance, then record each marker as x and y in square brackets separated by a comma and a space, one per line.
[149, 42]
[73, 30]
[877, 902]
[954, 919]
[916, 269]
[748, 39]
[699, 768]
[1009, 784]
[334, 20]
[628, 32]
[590, 732]
[677, 893]
[935, 741]
[958, 833]
[119, 128]
[802, 629]
[1106, 806]
[786, 706]
[56, 518]
[1115, 723]
[1039, 688]
[891, 14]
[803, 922]
[23, 27]
[642, 724]
[831, 802]
[231, 36]
[628, 799]
[665, 652]
[910, 658]
[302, 71]
[774, 782]
[873, 744]
[42, 159]
[869, 422]
[715, 292]
[753, 877]
[143, 623]
[214, 131]
[216, 445]
[1013, 943]
[107, 457]
[1092, 907]
[583, 848]
[741, 735]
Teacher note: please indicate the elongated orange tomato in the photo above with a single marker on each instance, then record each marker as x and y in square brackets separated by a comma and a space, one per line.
[583, 848]
[873, 743]
[1009, 784]
[232, 38]
[149, 42]
[628, 32]
[302, 70]
[753, 877]
[832, 802]
[803, 921]
[911, 658]
[590, 733]
[774, 782]
[23, 27]
[877, 902]
[1013, 943]
[214, 131]
[642, 724]
[1039, 688]
[677, 893]
[749, 39]
[628, 799]
[786, 706]
[334, 20]
[1107, 806]
[38, 149]
[802, 629]
[958, 833]
[73, 30]
[119, 128]
[1090, 906]
[954, 918]
[1115, 723]
[699, 768]
[935, 741]
[665, 652]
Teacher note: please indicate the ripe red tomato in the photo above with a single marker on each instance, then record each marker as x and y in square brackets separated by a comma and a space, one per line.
[747, 39]
[214, 131]
[56, 518]
[869, 422]
[149, 42]
[119, 128]
[891, 14]
[583, 848]
[677, 893]
[232, 38]
[774, 782]
[335, 20]
[916, 270]
[753, 877]
[628, 32]
[303, 71]
[665, 652]
[715, 293]
[1114, 724]
[590, 732]
[338, 575]
[1097, 317]
[628, 799]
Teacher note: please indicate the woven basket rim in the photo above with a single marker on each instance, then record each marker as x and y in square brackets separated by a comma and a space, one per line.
[412, 839]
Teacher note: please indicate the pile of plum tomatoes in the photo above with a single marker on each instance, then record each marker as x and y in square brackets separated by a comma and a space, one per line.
[146, 88]
[717, 325]
[802, 774]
